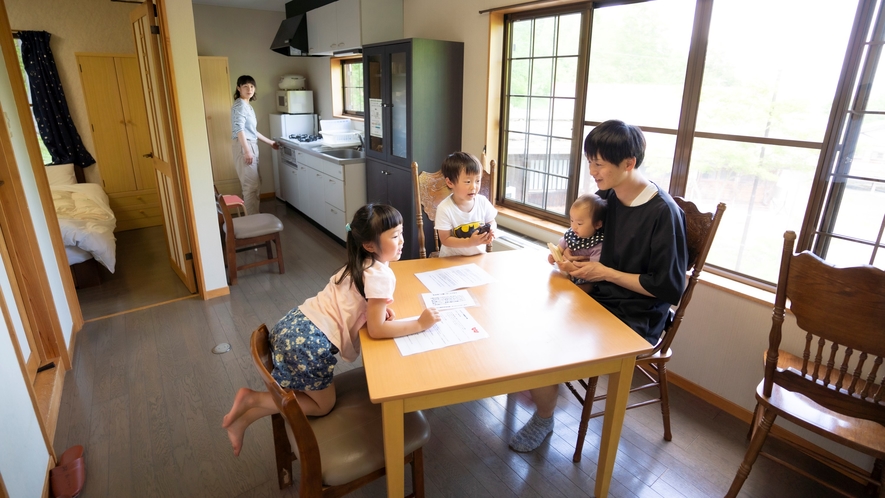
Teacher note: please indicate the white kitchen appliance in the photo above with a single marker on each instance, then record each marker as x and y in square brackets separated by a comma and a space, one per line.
[286, 126]
[291, 82]
[295, 101]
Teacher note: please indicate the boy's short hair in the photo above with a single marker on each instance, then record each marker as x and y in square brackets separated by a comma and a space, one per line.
[595, 204]
[457, 162]
[614, 141]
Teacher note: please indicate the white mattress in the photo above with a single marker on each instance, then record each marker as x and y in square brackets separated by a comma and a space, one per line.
[87, 223]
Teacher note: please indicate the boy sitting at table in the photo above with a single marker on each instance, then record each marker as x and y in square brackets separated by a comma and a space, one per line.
[465, 220]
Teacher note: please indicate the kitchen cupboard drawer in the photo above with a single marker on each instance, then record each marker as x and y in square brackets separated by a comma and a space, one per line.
[333, 192]
[334, 221]
[335, 170]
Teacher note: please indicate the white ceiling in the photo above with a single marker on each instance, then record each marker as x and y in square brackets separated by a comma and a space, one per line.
[272, 5]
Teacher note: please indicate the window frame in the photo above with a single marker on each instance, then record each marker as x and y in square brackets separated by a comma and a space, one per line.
[575, 154]
[343, 88]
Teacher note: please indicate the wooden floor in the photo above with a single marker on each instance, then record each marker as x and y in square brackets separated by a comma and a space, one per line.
[146, 398]
[142, 276]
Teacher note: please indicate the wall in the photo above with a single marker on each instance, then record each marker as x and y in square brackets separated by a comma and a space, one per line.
[250, 54]
[23, 471]
[96, 26]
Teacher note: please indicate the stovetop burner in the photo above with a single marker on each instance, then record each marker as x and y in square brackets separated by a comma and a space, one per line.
[304, 138]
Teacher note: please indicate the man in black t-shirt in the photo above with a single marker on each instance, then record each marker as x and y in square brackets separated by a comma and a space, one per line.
[641, 271]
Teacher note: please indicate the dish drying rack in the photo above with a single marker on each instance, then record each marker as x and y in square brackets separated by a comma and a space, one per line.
[338, 132]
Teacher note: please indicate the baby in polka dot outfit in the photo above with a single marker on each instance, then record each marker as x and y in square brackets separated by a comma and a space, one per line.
[583, 240]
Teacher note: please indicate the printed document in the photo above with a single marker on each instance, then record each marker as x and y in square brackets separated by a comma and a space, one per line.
[456, 327]
[448, 300]
[456, 277]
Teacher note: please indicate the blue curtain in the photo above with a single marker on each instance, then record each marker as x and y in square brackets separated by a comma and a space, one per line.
[48, 98]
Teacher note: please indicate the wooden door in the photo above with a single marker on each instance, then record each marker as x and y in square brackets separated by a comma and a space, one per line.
[152, 66]
[137, 123]
[102, 90]
[217, 101]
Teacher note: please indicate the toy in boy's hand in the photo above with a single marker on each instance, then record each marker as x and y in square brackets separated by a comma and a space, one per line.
[485, 228]
[556, 251]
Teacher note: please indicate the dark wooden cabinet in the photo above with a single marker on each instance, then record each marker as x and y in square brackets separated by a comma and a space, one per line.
[389, 184]
[413, 97]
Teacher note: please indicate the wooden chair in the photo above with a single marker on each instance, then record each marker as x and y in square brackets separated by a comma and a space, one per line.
[836, 308]
[700, 228]
[341, 451]
[234, 201]
[247, 232]
[430, 189]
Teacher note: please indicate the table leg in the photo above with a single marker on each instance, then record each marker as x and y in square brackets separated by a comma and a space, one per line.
[394, 447]
[615, 408]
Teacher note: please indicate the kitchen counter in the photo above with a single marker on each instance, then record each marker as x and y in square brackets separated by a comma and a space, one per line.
[324, 152]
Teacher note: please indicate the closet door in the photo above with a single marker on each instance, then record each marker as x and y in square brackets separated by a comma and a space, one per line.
[136, 123]
[217, 101]
[102, 90]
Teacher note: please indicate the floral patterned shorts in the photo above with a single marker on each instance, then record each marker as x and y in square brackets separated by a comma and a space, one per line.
[304, 359]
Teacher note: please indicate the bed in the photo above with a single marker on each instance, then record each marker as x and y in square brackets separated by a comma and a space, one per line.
[86, 221]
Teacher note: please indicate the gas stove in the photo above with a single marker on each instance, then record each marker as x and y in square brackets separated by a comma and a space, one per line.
[305, 138]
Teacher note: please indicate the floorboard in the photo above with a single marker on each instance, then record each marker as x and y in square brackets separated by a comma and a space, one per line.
[146, 397]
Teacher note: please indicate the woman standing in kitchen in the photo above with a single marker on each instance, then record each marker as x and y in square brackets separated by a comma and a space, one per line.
[245, 138]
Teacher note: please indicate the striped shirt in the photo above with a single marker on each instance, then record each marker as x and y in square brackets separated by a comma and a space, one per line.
[242, 118]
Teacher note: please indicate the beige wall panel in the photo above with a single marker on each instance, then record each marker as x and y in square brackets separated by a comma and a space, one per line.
[217, 100]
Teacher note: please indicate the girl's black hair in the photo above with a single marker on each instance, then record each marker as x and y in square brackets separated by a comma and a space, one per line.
[242, 80]
[369, 222]
[614, 141]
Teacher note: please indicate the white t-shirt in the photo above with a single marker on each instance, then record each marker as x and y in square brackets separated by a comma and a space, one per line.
[449, 218]
[340, 311]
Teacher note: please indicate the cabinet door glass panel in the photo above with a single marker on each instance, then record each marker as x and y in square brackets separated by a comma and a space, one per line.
[399, 99]
[373, 90]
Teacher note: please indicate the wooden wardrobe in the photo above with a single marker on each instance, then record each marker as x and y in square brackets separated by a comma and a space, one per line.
[115, 103]
[217, 101]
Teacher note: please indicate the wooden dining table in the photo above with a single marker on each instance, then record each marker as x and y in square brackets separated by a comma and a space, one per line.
[543, 330]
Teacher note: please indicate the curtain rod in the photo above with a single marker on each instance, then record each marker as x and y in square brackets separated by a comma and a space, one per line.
[542, 3]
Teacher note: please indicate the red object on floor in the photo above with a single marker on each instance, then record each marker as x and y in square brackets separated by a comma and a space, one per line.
[69, 476]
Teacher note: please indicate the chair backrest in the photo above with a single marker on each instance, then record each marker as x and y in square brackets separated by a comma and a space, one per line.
[224, 219]
[839, 309]
[700, 229]
[308, 450]
[431, 189]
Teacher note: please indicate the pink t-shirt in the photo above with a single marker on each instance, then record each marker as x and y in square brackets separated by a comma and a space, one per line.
[339, 310]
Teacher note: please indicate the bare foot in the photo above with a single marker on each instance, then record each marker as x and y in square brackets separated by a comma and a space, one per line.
[242, 403]
[236, 432]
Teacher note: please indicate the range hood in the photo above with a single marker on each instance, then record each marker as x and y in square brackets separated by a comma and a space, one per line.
[291, 38]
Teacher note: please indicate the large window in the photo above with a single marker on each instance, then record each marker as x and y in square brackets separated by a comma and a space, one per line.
[730, 115]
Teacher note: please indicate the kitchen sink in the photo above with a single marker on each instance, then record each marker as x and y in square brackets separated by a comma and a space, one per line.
[344, 153]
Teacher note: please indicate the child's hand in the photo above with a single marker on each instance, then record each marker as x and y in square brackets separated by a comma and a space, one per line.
[428, 318]
[480, 239]
[550, 259]
[390, 315]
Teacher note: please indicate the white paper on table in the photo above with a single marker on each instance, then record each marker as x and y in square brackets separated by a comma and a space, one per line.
[456, 327]
[448, 300]
[456, 277]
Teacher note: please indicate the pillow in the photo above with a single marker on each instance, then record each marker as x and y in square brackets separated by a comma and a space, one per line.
[61, 174]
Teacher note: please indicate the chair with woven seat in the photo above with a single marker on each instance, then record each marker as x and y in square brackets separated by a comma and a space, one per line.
[343, 450]
[431, 189]
[248, 232]
[841, 312]
[700, 229]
